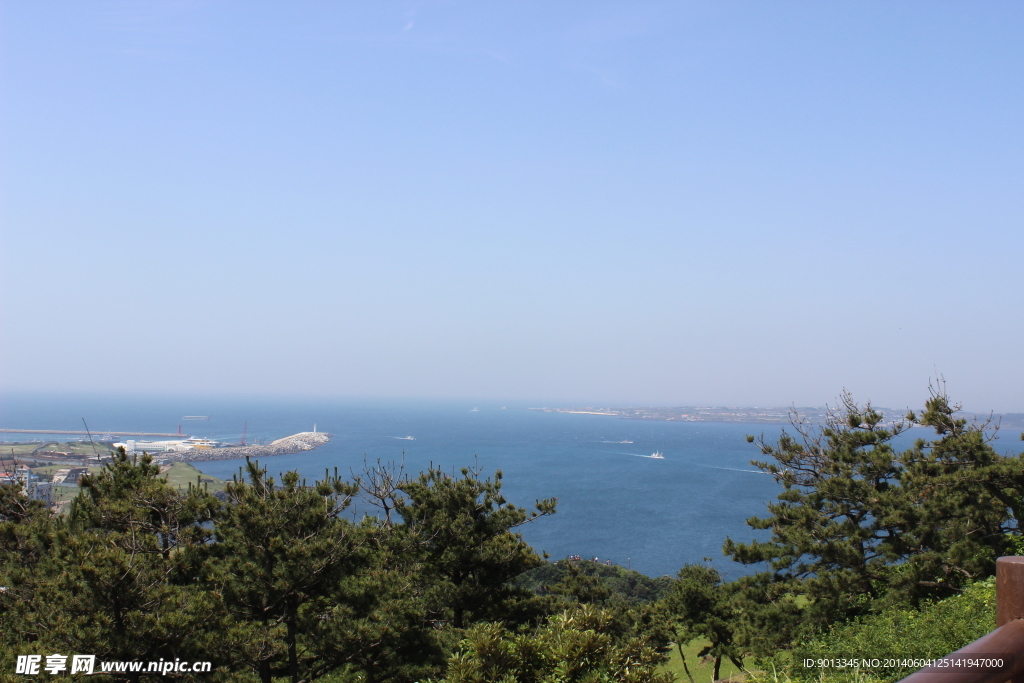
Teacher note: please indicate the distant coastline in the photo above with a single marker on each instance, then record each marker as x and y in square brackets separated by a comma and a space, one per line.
[756, 415]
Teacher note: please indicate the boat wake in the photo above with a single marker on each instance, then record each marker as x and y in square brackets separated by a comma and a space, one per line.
[404, 438]
[655, 456]
[732, 469]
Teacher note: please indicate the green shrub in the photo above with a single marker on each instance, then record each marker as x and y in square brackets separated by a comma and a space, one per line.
[899, 633]
[632, 586]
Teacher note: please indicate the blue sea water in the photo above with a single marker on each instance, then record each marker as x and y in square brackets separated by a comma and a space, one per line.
[614, 502]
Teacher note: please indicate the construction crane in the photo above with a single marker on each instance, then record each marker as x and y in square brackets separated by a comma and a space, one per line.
[245, 428]
[95, 452]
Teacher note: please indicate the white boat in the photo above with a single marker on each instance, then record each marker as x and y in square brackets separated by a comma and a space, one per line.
[199, 442]
[656, 455]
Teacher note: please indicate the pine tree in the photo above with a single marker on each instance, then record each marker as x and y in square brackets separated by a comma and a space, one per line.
[464, 531]
[27, 535]
[859, 524]
[961, 500]
[700, 605]
[113, 582]
[282, 551]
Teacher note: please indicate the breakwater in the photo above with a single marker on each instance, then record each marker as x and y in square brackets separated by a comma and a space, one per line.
[296, 443]
[82, 432]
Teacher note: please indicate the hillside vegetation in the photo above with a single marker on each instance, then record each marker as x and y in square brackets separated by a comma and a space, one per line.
[869, 549]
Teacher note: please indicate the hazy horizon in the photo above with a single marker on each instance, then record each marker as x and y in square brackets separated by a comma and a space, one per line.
[652, 204]
[483, 403]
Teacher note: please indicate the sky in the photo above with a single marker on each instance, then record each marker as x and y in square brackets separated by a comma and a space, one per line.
[579, 203]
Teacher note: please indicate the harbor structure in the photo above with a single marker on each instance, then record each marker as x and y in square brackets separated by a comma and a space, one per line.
[174, 446]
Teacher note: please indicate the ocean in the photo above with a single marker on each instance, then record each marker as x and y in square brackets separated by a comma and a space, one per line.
[614, 501]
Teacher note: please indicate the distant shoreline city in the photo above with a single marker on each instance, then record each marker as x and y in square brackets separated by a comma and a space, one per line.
[756, 415]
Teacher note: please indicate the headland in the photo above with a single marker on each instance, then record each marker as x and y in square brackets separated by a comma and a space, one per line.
[296, 443]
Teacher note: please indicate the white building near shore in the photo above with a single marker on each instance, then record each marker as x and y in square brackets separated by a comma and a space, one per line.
[177, 446]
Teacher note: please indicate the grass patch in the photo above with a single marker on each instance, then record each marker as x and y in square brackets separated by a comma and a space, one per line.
[50, 470]
[181, 474]
[20, 450]
[62, 493]
[83, 448]
[702, 671]
[74, 448]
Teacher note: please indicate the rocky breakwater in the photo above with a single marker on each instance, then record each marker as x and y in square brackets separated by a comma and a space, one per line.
[296, 443]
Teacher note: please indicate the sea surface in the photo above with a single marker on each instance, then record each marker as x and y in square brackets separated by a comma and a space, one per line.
[615, 502]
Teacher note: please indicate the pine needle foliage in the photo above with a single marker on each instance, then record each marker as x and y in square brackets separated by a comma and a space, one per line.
[463, 528]
[282, 551]
[861, 525]
[576, 646]
[114, 578]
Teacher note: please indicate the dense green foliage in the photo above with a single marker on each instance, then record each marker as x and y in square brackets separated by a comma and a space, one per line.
[578, 646]
[115, 578]
[632, 587]
[278, 581]
[468, 557]
[701, 607]
[860, 526]
[934, 630]
[871, 549]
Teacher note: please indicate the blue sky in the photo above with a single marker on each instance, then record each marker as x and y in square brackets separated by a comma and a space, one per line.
[583, 202]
